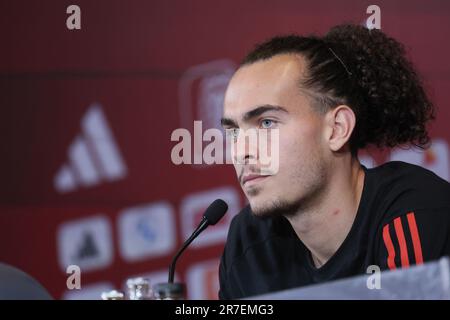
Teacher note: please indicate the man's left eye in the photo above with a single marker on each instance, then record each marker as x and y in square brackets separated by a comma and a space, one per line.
[266, 123]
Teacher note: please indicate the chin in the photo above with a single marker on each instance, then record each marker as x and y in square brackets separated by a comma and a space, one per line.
[262, 207]
[263, 212]
[274, 206]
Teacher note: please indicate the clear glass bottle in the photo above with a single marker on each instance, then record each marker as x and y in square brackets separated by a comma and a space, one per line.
[113, 295]
[139, 289]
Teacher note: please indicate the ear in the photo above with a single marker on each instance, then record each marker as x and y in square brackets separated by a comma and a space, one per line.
[340, 123]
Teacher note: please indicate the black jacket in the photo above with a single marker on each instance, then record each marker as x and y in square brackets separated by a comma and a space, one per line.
[403, 219]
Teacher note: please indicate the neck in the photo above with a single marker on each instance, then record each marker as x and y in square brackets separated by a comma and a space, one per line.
[324, 225]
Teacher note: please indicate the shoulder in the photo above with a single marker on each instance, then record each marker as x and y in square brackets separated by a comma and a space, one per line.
[404, 187]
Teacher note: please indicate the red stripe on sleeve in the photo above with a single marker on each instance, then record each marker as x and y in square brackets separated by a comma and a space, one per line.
[402, 242]
[415, 237]
[389, 247]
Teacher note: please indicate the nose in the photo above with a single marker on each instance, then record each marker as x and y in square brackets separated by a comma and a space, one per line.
[246, 147]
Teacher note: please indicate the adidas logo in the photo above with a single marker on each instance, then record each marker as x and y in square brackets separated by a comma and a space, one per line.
[93, 156]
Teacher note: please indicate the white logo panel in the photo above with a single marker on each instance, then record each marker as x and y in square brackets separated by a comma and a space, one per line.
[146, 231]
[86, 243]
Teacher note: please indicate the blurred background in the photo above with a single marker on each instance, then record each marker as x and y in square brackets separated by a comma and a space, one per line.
[86, 176]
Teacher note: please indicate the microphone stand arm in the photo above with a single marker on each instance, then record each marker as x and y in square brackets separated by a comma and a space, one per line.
[202, 226]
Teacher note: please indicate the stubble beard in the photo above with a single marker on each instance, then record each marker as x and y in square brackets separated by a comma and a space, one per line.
[314, 181]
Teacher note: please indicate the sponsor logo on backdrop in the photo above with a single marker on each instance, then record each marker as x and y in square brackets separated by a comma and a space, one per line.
[89, 292]
[202, 280]
[201, 94]
[435, 158]
[192, 209]
[86, 243]
[146, 231]
[94, 156]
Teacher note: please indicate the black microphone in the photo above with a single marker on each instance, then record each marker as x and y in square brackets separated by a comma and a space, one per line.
[213, 214]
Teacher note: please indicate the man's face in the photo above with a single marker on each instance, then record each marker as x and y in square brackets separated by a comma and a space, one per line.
[266, 95]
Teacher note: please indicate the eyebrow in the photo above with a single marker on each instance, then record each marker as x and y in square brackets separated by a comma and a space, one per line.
[253, 114]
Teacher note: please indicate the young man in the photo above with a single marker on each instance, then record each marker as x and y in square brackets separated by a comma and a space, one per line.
[323, 216]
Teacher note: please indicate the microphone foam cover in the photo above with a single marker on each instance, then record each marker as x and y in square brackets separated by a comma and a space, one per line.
[215, 211]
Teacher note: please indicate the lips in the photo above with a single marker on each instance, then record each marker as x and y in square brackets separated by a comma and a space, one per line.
[253, 178]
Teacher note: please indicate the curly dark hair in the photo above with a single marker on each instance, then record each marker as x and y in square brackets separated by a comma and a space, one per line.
[366, 70]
